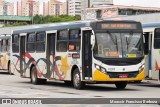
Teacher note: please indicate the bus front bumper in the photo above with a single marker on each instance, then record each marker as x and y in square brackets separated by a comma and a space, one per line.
[99, 76]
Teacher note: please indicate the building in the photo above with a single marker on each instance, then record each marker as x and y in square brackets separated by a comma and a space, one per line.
[46, 8]
[10, 8]
[27, 7]
[115, 11]
[54, 7]
[95, 3]
[6, 8]
[74, 7]
[63, 9]
[1, 7]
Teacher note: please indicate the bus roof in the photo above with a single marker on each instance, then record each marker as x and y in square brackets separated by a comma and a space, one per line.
[5, 36]
[54, 26]
[59, 26]
[149, 25]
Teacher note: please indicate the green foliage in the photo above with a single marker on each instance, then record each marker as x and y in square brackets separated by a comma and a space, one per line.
[38, 19]
[16, 24]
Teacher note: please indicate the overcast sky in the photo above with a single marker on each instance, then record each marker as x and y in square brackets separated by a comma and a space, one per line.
[145, 3]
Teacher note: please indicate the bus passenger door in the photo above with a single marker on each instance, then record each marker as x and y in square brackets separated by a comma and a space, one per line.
[50, 54]
[156, 55]
[22, 55]
[147, 52]
[86, 55]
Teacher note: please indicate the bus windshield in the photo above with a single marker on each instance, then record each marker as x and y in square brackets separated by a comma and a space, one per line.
[118, 45]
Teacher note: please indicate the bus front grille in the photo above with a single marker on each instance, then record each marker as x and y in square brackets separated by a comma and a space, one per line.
[117, 74]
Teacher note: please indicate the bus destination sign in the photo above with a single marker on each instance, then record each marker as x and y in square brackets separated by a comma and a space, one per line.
[116, 26]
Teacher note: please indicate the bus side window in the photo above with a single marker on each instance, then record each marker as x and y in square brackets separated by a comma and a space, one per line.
[15, 43]
[31, 42]
[157, 39]
[74, 40]
[4, 45]
[62, 46]
[40, 42]
[146, 44]
[8, 44]
[0, 45]
[62, 40]
[62, 35]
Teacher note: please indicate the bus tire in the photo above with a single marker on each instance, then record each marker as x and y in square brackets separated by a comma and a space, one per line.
[77, 83]
[9, 69]
[121, 85]
[34, 78]
[159, 74]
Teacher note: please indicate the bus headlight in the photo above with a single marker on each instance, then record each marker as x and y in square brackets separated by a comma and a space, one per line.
[97, 66]
[103, 70]
[141, 68]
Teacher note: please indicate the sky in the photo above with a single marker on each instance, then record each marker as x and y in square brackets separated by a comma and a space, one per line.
[39, 0]
[145, 3]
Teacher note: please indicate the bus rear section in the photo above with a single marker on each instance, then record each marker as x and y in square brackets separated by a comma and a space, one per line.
[80, 53]
[152, 51]
[5, 53]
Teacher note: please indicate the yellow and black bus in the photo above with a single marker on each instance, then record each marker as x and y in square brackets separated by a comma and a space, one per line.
[81, 52]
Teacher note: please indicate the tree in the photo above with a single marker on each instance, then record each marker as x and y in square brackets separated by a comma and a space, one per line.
[39, 19]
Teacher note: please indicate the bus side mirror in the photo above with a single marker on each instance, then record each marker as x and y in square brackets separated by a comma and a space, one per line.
[144, 39]
[92, 41]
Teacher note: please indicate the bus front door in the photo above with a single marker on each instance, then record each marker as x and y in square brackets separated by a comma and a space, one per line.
[86, 55]
[50, 54]
[22, 55]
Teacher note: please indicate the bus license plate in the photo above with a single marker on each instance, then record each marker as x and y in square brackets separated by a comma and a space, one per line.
[123, 75]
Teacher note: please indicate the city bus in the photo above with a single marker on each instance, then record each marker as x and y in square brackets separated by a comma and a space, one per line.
[80, 53]
[152, 50]
[5, 52]
[5, 37]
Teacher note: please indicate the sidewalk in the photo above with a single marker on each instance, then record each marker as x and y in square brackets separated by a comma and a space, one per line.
[151, 81]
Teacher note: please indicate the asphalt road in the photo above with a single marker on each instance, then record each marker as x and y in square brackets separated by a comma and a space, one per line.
[12, 86]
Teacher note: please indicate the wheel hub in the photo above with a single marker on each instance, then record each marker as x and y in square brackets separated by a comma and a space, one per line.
[76, 80]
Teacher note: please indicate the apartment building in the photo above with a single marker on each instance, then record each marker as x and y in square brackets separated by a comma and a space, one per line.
[28, 7]
[74, 7]
[1, 7]
[6, 8]
[54, 7]
[10, 8]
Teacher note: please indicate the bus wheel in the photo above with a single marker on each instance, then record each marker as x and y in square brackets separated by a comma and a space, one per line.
[159, 74]
[77, 83]
[9, 69]
[34, 78]
[121, 85]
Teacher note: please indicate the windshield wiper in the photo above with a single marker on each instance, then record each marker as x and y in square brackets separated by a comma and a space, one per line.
[127, 44]
[129, 40]
[115, 42]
